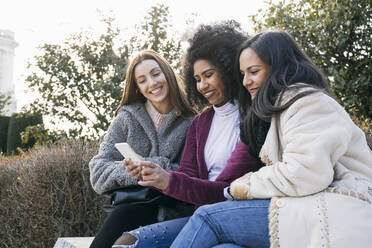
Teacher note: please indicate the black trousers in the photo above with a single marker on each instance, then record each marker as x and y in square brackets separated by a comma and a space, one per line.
[125, 217]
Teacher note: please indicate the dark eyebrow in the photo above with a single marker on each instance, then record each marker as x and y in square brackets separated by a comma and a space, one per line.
[253, 66]
[207, 70]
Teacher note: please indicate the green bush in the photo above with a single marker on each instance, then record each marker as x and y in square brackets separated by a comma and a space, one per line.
[4, 123]
[18, 124]
[46, 194]
[44, 136]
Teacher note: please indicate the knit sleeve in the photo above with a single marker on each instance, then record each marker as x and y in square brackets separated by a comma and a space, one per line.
[106, 168]
[314, 134]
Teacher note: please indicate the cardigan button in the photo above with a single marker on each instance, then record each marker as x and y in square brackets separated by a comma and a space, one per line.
[280, 203]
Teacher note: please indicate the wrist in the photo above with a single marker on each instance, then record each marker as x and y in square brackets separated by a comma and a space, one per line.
[227, 194]
[166, 179]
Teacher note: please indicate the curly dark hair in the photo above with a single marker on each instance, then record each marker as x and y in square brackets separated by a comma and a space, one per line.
[217, 43]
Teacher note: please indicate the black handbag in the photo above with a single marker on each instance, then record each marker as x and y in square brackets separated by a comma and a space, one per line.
[135, 194]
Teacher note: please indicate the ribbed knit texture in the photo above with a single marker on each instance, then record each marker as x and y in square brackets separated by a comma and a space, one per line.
[156, 117]
[222, 138]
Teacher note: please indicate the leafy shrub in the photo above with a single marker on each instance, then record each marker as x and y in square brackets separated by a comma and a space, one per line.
[44, 136]
[46, 193]
[18, 124]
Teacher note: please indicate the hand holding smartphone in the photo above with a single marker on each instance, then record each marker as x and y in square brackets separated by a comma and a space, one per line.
[127, 152]
[132, 168]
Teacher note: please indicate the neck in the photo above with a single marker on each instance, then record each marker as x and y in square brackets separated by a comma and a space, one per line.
[221, 103]
[163, 107]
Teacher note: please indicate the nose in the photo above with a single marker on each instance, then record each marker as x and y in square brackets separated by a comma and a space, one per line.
[247, 81]
[202, 84]
[152, 81]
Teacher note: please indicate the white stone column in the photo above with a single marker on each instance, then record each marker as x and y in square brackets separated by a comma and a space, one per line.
[7, 46]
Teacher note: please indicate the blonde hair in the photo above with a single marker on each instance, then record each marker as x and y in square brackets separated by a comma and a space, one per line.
[177, 93]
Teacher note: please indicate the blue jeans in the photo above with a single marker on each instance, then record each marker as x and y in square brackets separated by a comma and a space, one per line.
[243, 223]
[159, 235]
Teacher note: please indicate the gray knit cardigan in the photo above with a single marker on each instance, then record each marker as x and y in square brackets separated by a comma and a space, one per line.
[134, 126]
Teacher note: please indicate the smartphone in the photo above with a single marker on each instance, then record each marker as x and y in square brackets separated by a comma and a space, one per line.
[127, 151]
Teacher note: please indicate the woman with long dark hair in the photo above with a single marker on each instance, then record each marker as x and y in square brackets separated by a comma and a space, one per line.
[316, 187]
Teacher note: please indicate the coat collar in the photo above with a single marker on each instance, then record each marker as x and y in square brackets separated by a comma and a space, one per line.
[138, 111]
[202, 131]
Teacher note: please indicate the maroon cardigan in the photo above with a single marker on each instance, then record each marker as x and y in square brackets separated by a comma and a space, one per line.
[190, 183]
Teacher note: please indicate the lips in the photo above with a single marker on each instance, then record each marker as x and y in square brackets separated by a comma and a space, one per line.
[208, 94]
[253, 90]
[156, 91]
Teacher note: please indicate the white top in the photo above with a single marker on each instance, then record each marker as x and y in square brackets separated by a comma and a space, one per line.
[223, 136]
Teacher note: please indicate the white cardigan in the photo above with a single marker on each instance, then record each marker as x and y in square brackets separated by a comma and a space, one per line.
[318, 176]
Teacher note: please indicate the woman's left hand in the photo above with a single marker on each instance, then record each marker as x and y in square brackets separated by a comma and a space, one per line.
[153, 175]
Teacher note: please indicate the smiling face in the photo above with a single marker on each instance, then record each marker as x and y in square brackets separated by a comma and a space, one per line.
[254, 70]
[209, 82]
[153, 85]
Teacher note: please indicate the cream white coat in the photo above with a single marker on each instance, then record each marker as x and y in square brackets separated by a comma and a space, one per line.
[318, 176]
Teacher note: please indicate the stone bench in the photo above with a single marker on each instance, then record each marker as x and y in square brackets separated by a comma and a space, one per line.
[73, 242]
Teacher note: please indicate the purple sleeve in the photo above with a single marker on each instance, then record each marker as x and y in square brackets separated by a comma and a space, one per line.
[195, 190]
[189, 163]
[198, 191]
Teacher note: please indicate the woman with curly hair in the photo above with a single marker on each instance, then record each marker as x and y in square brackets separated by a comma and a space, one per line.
[213, 135]
[316, 188]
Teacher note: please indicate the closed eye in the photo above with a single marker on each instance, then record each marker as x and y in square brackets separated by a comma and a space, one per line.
[156, 73]
[141, 79]
[208, 75]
